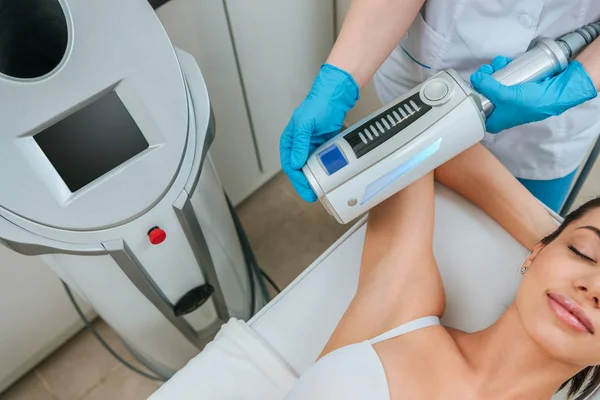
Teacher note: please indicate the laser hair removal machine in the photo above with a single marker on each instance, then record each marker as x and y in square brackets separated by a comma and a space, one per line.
[402, 141]
[107, 175]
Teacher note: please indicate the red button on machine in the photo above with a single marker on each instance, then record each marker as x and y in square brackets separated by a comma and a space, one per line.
[157, 235]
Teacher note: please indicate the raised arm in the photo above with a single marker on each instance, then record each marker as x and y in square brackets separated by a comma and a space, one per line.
[479, 177]
[399, 279]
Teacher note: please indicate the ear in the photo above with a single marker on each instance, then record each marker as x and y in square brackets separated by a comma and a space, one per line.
[534, 253]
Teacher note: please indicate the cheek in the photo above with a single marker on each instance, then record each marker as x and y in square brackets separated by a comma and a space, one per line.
[552, 271]
[532, 301]
[546, 272]
[550, 268]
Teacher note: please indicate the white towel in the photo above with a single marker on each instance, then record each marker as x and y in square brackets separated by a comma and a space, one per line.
[237, 364]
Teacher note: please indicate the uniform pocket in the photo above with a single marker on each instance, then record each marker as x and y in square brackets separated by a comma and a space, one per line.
[425, 46]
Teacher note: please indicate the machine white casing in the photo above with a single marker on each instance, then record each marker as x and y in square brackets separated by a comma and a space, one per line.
[430, 139]
[96, 238]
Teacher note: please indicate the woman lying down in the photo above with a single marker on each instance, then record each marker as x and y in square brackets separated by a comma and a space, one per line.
[390, 345]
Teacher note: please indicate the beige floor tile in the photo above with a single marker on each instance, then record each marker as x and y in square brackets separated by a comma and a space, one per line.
[284, 183]
[122, 383]
[30, 387]
[297, 242]
[267, 209]
[77, 367]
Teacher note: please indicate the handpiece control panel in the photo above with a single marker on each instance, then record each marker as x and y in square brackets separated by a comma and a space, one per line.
[386, 125]
[389, 149]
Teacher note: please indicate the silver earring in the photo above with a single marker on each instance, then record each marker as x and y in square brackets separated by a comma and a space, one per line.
[524, 269]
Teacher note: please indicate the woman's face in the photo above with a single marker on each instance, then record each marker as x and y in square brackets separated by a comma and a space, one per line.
[559, 297]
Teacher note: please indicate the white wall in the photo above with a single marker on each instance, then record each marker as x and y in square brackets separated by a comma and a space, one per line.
[280, 46]
[37, 316]
[200, 28]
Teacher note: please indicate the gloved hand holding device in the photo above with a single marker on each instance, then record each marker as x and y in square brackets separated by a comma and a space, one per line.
[319, 118]
[531, 101]
[371, 30]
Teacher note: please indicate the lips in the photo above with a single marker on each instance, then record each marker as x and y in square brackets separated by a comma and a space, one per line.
[570, 313]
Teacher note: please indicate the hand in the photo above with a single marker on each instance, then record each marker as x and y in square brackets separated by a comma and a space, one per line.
[531, 101]
[319, 118]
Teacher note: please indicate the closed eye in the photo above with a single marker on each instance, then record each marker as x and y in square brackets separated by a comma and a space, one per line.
[580, 254]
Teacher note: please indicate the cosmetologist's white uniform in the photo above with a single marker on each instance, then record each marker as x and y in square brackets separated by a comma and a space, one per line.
[463, 34]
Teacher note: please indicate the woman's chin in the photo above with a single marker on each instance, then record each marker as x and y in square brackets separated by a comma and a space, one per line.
[562, 344]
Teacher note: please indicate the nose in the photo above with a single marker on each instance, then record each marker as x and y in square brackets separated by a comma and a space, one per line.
[591, 292]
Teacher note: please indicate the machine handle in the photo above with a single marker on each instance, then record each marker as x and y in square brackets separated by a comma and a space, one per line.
[544, 60]
[547, 58]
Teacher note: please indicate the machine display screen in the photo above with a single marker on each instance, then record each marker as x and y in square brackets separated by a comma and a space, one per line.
[91, 142]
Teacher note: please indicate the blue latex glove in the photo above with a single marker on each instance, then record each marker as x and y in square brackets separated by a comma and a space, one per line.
[531, 101]
[319, 118]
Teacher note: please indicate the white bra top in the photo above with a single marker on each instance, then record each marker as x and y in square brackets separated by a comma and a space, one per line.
[352, 372]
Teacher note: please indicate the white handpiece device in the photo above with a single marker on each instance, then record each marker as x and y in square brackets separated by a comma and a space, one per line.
[404, 140]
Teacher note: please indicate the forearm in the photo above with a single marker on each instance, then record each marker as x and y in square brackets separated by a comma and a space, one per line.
[371, 30]
[479, 177]
[590, 59]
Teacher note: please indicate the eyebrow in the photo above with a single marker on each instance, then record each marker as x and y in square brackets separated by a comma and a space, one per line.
[592, 228]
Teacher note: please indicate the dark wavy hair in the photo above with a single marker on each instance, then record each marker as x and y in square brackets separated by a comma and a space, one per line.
[587, 380]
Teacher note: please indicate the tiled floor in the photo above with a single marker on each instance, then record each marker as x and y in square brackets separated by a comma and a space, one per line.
[83, 370]
[286, 234]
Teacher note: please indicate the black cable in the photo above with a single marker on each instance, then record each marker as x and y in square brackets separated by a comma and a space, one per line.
[250, 254]
[247, 249]
[581, 179]
[252, 286]
[89, 326]
[271, 281]
[157, 3]
[247, 257]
